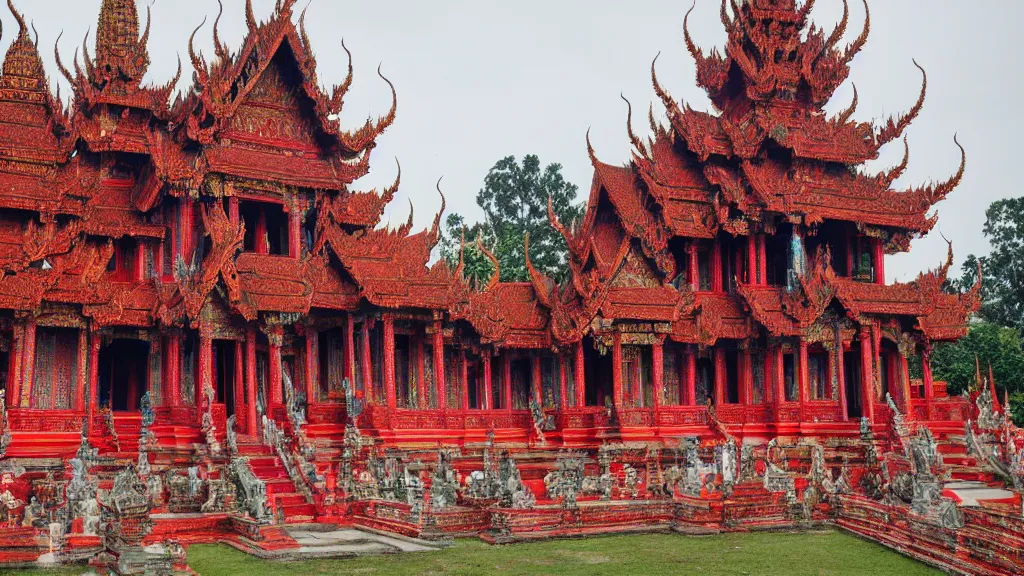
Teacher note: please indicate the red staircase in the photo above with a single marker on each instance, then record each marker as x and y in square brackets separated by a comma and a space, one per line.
[281, 492]
[964, 467]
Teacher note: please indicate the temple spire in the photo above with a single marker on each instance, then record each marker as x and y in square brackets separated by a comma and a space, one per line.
[22, 67]
[121, 55]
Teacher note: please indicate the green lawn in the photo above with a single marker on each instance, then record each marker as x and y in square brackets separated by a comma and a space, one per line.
[817, 553]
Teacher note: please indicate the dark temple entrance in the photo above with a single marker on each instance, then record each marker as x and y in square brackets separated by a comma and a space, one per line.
[122, 374]
[598, 370]
[224, 371]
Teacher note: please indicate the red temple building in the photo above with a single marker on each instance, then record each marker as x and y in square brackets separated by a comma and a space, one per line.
[193, 291]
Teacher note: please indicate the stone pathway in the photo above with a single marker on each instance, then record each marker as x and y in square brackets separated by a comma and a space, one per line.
[350, 542]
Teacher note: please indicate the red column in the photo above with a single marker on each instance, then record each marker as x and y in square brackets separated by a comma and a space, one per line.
[171, 375]
[929, 384]
[28, 361]
[294, 233]
[538, 385]
[14, 370]
[721, 393]
[250, 380]
[233, 210]
[780, 376]
[205, 379]
[658, 375]
[488, 383]
[747, 397]
[804, 384]
[421, 375]
[464, 375]
[691, 248]
[844, 412]
[185, 213]
[506, 378]
[617, 370]
[904, 371]
[867, 378]
[716, 266]
[763, 259]
[275, 336]
[563, 382]
[239, 383]
[94, 374]
[83, 370]
[690, 396]
[879, 261]
[312, 365]
[752, 260]
[350, 349]
[439, 386]
[139, 266]
[389, 362]
[578, 374]
[367, 364]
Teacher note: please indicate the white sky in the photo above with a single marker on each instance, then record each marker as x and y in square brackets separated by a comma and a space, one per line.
[478, 80]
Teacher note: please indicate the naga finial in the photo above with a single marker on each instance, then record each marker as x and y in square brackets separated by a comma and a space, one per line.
[861, 40]
[848, 113]
[840, 30]
[22, 28]
[250, 19]
[894, 130]
[637, 143]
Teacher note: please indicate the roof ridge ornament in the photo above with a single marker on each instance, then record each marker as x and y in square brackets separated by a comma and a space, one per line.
[895, 128]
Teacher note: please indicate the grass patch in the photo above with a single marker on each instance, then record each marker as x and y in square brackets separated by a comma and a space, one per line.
[823, 553]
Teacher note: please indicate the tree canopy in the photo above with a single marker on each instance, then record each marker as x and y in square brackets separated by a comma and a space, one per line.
[515, 204]
[1003, 269]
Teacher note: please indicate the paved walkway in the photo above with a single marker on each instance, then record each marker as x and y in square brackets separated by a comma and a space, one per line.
[351, 542]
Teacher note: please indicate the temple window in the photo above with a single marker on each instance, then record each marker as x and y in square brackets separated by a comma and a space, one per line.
[453, 377]
[474, 384]
[703, 252]
[497, 384]
[224, 373]
[331, 351]
[758, 360]
[704, 381]
[776, 259]
[854, 383]
[681, 253]
[818, 376]
[887, 372]
[732, 377]
[862, 259]
[122, 265]
[357, 348]
[428, 374]
[405, 372]
[55, 373]
[789, 376]
[636, 376]
[520, 374]
[266, 227]
[732, 261]
[672, 372]
[549, 381]
[569, 365]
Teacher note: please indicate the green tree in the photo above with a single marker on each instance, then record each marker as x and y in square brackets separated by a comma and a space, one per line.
[998, 346]
[515, 203]
[1003, 268]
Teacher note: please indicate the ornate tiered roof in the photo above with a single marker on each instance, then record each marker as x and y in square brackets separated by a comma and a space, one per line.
[768, 155]
[257, 124]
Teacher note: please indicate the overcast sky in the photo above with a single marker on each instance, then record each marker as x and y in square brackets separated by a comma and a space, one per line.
[478, 80]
